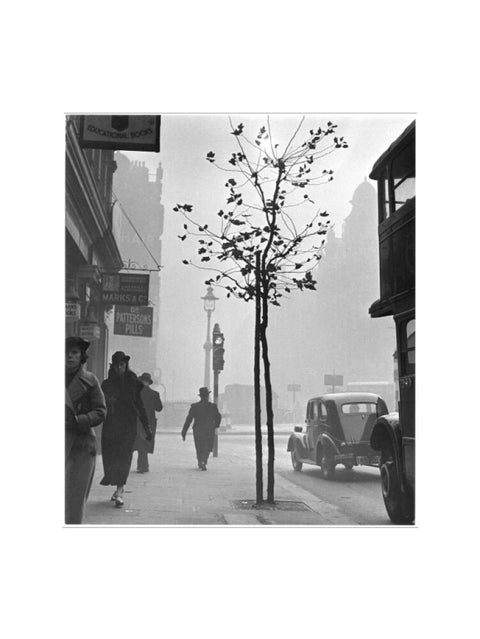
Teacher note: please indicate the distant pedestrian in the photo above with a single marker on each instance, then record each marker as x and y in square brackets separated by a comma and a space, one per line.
[153, 403]
[205, 418]
[84, 409]
[122, 390]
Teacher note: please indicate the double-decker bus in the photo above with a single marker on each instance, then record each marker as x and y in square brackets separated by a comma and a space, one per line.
[394, 434]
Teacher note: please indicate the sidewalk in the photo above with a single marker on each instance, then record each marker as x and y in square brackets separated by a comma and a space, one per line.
[176, 492]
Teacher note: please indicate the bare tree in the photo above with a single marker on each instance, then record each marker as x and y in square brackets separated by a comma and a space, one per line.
[262, 249]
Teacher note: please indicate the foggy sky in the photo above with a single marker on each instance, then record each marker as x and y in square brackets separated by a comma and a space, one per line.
[189, 178]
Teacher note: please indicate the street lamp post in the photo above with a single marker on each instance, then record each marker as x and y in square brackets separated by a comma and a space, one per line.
[209, 306]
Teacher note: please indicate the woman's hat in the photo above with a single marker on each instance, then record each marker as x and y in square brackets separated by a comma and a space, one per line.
[76, 342]
[203, 391]
[146, 377]
[119, 356]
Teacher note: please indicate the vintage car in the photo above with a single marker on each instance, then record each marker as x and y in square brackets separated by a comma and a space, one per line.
[337, 432]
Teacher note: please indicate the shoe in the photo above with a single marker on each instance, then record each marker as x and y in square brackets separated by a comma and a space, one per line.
[114, 496]
[204, 466]
[118, 502]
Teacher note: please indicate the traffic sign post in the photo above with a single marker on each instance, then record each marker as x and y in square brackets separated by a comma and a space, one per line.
[293, 388]
[333, 380]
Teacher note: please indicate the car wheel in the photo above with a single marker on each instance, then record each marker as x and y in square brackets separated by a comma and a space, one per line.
[297, 465]
[328, 466]
[396, 503]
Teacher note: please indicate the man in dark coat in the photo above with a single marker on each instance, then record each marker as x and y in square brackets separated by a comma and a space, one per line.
[84, 409]
[153, 403]
[205, 417]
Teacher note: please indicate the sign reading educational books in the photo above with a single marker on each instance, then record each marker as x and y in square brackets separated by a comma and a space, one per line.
[134, 321]
[130, 289]
[128, 132]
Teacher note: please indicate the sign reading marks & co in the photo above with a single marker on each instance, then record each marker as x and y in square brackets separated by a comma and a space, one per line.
[125, 288]
[134, 321]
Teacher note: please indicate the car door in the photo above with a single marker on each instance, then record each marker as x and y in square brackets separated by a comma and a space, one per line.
[317, 423]
[310, 422]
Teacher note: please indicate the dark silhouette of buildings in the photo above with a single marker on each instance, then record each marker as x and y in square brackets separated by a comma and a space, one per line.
[330, 330]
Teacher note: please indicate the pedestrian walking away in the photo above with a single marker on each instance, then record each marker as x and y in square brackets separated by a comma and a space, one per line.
[122, 390]
[84, 409]
[153, 403]
[205, 417]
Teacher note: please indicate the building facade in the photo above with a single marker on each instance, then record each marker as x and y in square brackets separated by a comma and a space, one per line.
[90, 242]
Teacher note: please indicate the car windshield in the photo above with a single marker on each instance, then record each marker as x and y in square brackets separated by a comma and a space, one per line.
[357, 420]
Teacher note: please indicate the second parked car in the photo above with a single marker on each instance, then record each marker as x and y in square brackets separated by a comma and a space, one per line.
[338, 428]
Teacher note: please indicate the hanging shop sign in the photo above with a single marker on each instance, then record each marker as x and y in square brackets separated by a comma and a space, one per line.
[127, 132]
[129, 289]
[134, 321]
[72, 311]
[89, 331]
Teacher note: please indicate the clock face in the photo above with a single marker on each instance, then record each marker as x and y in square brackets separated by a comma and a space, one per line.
[219, 340]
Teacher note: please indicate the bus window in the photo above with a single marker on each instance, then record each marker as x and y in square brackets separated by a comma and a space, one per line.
[411, 345]
[384, 199]
[407, 336]
[403, 174]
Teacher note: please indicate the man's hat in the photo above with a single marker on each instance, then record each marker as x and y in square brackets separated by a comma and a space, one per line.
[119, 356]
[146, 377]
[203, 391]
[76, 342]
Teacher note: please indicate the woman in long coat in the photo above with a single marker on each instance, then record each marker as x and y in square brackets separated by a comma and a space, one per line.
[122, 390]
[84, 409]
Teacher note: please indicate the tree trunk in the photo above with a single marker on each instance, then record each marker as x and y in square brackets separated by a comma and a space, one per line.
[256, 376]
[268, 398]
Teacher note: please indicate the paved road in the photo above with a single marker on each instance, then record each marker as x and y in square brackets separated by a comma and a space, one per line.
[356, 493]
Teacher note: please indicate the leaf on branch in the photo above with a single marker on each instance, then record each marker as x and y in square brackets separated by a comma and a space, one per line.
[205, 259]
[181, 237]
[185, 262]
[238, 130]
[211, 156]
